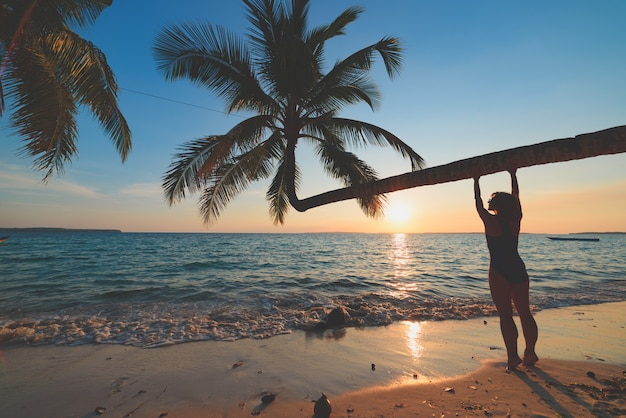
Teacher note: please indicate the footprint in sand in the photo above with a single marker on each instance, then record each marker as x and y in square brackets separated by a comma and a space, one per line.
[118, 383]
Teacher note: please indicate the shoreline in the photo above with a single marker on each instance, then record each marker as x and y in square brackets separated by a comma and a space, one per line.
[228, 379]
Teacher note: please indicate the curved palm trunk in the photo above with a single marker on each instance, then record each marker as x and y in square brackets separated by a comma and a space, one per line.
[290, 174]
[605, 142]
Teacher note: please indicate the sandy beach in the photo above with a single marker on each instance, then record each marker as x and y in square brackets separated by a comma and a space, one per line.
[446, 368]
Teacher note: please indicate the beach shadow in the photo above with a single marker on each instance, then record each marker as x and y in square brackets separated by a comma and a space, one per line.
[545, 395]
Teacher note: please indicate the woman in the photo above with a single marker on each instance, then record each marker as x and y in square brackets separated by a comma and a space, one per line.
[508, 279]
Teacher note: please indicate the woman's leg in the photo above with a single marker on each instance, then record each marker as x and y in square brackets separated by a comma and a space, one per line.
[501, 294]
[519, 293]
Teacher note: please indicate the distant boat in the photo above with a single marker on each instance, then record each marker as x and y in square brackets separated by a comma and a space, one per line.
[573, 239]
[2, 239]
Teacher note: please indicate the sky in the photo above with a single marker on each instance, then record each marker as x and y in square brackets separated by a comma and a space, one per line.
[478, 77]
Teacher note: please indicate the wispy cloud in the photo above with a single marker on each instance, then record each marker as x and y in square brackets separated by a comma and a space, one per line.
[29, 184]
[145, 190]
[75, 189]
[16, 181]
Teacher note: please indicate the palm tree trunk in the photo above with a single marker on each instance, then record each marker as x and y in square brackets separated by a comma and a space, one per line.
[605, 142]
[290, 169]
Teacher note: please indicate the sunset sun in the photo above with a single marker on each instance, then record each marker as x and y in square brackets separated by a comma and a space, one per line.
[398, 213]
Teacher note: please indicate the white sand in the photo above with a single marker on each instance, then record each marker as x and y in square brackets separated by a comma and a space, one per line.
[198, 379]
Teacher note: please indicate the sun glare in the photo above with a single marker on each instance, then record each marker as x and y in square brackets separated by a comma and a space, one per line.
[398, 213]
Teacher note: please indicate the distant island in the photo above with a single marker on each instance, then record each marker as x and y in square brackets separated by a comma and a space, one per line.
[43, 229]
[596, 233]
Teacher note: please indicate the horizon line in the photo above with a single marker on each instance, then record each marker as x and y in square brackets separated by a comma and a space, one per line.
[112, 230]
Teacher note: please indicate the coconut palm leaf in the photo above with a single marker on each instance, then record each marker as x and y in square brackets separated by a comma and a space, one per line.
[232, 177]
[44, 112]
[214, 58]
[362, 133]
[89, 79]
[347, 167]
[79, 13]
[198, 160]
[277, 194]
[48, 71]
[349, 83]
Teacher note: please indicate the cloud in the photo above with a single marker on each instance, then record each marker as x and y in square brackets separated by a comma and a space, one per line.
[29, 184]
[16, 181]
[145, 190]
[75, 189]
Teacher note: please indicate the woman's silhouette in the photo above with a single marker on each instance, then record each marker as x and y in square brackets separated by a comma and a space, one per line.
[508, 279]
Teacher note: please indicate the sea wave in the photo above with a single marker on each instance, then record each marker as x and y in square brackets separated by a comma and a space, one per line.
[156, 324]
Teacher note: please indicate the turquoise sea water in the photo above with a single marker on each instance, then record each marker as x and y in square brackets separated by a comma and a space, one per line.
[146, 289]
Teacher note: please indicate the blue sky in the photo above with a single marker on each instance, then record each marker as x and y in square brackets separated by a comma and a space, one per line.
[478, 77]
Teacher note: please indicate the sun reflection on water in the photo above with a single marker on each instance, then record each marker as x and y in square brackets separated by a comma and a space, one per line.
[400, 255]
[413, 336]
[401, 258]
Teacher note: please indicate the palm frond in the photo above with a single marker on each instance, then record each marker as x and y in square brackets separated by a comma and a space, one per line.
[44, 111]
[373, 206]
[353, 73]
[390, 50]
[83, 68]
[297, 16]
[363, 133]
[250, 132]
[44, 17]
[286, 66]
[182, 175]
[232, 177]
[352, 171]
[201, 52]
[50, 71]
[199, 159]
[353, 88]
[265, 17]
[1, 96]
[214, 58]
[229, 180]
[344, 165]
[348, 82]
[81, 13]
[320, 35]
[277, 195]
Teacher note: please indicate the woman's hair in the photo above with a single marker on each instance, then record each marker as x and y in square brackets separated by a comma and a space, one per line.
[505, 203]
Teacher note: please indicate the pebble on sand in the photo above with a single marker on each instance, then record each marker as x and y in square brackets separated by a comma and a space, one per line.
[322, 408]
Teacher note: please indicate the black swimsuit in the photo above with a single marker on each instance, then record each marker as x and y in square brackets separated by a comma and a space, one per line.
[504, 256]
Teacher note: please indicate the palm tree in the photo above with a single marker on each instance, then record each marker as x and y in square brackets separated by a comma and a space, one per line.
[605, 142]
[47, 72]
[278, 75]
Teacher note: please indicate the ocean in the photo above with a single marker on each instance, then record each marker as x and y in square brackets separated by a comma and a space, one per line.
[153, 289]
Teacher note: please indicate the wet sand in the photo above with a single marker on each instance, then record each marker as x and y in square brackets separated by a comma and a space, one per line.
[446, 368]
